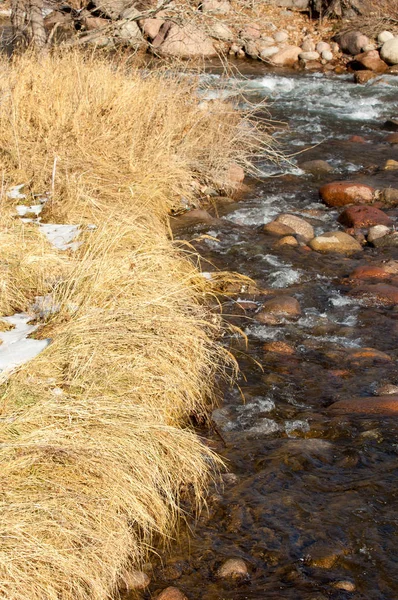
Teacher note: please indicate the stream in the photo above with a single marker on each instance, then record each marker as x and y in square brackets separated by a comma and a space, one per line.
[309, 500]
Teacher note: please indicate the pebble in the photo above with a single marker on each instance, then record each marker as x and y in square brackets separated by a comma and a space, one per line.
[233, 568]
[288, 240]
[171, 593]
[347, 586]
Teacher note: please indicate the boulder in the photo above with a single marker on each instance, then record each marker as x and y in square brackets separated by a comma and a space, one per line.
[384, 36]
[316, 167]
[340, 193]
[369, 61]
[391, 165]
[151, 27]
[335, 241]
[352, 42]
[233, 568]
[251, 49]
[221, 7]
[377, 232]
[298, 225]
[187, 41]
[368, 355]
[286, 57]
[376, 405]
[389, 51]
[363, 216]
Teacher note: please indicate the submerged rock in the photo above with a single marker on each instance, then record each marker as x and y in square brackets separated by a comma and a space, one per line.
[298, 225]
[171, 593]
[369, 272]
[316, 167]
[383, 293]
[233, 568]
[335, 241]
[281, 306]
[382, 405]
[363, 216]
[340, 193]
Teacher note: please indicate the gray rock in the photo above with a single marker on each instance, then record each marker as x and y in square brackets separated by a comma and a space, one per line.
[281, 36]
[220, 31]
[309, 56]
[327, 55]
[389, 51]
[335, 241]
[268, 52]
[384, 36]
[377, 231]
[352, 42]
[322, 47]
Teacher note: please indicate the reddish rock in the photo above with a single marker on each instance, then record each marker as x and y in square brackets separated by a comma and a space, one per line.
[171, 593]
[279, 348]
[380, 292]
[392, 138]
[363, 77]
[357, 139]
[363, 216]
[381, 405]
[277, 229]
[369, 272]
[369, 355]
[340, 193]
[281, 306]
[369, 60]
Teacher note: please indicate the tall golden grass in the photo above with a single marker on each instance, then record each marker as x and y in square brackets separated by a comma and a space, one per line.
[96, 446]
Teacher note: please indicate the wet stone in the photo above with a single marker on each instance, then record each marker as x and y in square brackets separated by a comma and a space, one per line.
[277, 229]
[299, 226]
[363, 216]
[233, 568]
[383, 293]
[369, 272]
[281, 306]
[375, 405]
[288, 240]
[377, 232]
[337, 242]
[316, 167]
[340, 193]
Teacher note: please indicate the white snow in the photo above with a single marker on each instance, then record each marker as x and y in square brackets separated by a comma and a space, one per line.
[16, 348]
[61, 236]
[14, 193]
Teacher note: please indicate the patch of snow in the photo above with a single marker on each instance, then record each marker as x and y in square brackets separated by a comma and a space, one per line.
[23, 210]
[61, 236]
[14, 193]
[17, 348]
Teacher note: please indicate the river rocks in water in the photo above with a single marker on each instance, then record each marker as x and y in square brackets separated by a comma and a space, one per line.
[392, 138]
[384, 36]
[277, 229]
[391, 165]
[171, 593]
[377, 232]
[288, 240]
[278, 308]
[370, 61]
[381, 405]
[298, 225]
[363, 77]
[135, 580]
[287, 57]
[363, 216]
[340, 193]
[369, 272]
[279, 348]
[335, 241]
[352, 42]
[186, 41]
[233, 568]
[389, 51]
[368, 355]
[316, 167]
[345, 585]
[382, 293]
[389, 196]
[387, 389]
[387, 241]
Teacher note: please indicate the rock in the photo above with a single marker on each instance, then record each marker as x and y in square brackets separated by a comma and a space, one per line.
[391, 124]
[221, 7]
[322, 47]
[281, 306]
[335, 241]
[363, 77]
[286, 57]
[387, 241]
[389, 196]
[340, 193]
[192, 217]
[135, 580]
[309, 56]
[293, 4]
[112, 8]
[251, 49]
[298, 225]
[391, 165]
[391, 267]
[376, 232]
[266, 53]
[357, 139]
[384, 36]
[171, 593]
[363, 216]
[288, 240]
[251, 31]
[389, 51]
[308, 46]
[187, 41]
[387, 390]
[277, 229]
[368, 355]
[383, 293]
[279, 348]
[311, 65]
[369, 272]
[221, 31]
[129, 33]
[151, 27]
[92, 23]
[316, 167]
[346, 586]
[352, 42]
[281, 36]
[381, 405]
[392, 138]
[233, 568]
[369, 61]
[327, 55]
[233, 177]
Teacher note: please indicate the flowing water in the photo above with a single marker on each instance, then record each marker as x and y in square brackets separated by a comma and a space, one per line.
[310, 498]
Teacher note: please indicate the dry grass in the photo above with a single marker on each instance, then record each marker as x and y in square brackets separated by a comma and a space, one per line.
[95, 440]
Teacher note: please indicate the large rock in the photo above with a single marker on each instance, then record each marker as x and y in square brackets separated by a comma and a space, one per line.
[369, 61]
[220, 31]
[352, 42]
[389, 51]
[376, 405]
[316, 167]
[335, 241]
[221, 7]
[298, 225]
[151, 27]
[278, 308]
[384, 36]
[340, 193]
[187, 41]
[363, 216]
[287, 57]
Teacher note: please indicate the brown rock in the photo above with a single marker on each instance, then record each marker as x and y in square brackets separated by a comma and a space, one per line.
[335, 241]
[357, 139]
[286, 57]
[233, 568]
[382, 293]
[281, 306]
[187, 41]
[363, 216]
[277, 229]
[389, 196]
[387, 390]
[192, 217]
[288, 240]
[392, 138]
[171, 593]
[279, 348]
[346, 586]
[251, 31]
[151, 27]
[340, 193]
[391, 165]
[369, 355]
[135, 580]
[316, 167]
[352, 42]
[298, 225]
[234, 176]
[386, 241]
[363, 77]
[369, 60]
[382, 405]
[369, 272]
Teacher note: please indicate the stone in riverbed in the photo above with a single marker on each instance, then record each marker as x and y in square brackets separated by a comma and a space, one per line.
[287, 57]
[392, 138]
[352, 42]
[382, 293]
[370, 61]
[391, 165]
[387, 241]
[389, 51]
[171, 593]
[369, 272]
[368, 355]
[376, 405]
[377, 232]
[281, 36]
[279, 307]
[288, 240]
[363, 77]
[389, 196]
[279, 348]
[335, 241]
[340, 193]
[316, 167]
[233, 568]
[277, 229]
[363, 216]
[298, 225]
[387, 390]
